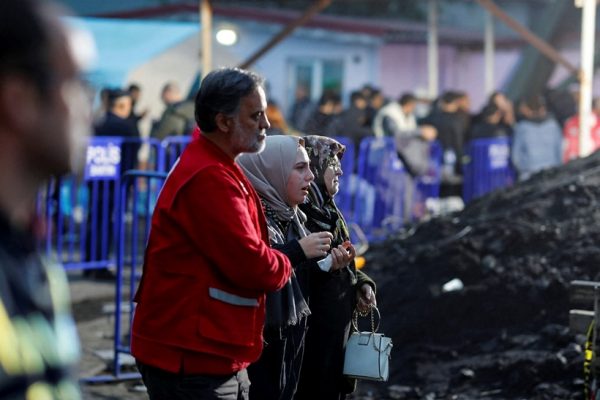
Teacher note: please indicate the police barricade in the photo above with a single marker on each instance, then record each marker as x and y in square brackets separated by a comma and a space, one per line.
[80, 228]
[488, 167]
[134, 228]
[344, 197]
[389, 203]
[79, 211]
[173, 146]
[428, 185]
[149, 150]
[372, 184]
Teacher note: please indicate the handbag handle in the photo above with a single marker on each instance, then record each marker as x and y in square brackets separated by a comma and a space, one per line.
[364, 314]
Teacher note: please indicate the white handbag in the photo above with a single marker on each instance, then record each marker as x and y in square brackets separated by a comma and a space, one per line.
[368, 353]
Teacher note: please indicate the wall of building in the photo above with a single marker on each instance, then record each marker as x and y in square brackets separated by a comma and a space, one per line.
[359, 55]
[404, 69]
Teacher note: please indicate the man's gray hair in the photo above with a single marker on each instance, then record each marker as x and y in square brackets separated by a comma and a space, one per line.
[221, 92]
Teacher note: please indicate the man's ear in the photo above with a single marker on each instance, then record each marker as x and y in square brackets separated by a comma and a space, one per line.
[223, 122]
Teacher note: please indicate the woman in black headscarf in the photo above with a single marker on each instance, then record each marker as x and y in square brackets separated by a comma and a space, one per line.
[281, 176]
[334, 294]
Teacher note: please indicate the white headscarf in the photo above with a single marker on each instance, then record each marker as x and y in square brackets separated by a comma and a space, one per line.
[269, 171]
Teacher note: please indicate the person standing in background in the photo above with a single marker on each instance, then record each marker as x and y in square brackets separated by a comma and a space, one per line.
[135, 93]
[537, 141]
[178, 117]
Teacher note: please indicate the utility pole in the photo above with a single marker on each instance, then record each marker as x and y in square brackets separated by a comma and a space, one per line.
[205, 10]
[586, 76]
[489, 50]
[432, 49]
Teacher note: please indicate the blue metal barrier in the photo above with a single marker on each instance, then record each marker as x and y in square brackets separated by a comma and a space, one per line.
[80, 230]
[155, 160]
[378, 171]
[173, 146]
[134, 223]
[344, 197]
[428, 185]
[488, 168]
[389, 204]
[81, 213]
[371, 153]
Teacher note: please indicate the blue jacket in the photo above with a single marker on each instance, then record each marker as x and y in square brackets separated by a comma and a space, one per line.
[536, 145]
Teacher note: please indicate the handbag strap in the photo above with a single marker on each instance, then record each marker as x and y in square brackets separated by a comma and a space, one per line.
[364, 314]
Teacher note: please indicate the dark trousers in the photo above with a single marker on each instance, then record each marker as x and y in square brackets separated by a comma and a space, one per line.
[276, 374]
[163, 385]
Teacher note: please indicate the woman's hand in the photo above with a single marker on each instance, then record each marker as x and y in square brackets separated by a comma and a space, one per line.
[316, 244]
[342, 256]
[365, 298]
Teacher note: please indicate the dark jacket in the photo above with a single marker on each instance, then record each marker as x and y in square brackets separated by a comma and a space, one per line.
[275, 375]
[34, 299]
[318, 123]
[332, 301]
[113, 125]
[350, 123]
[176, 120]
[452, 132]
[486, 130]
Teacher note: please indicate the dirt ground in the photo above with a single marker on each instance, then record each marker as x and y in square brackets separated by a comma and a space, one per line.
[96, 332]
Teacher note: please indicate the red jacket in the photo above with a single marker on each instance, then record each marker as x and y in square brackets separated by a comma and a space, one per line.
[201, 301]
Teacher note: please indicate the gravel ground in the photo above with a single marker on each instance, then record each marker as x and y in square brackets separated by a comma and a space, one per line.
[96, 331]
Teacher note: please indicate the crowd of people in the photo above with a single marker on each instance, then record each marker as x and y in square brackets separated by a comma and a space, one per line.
[538, 138]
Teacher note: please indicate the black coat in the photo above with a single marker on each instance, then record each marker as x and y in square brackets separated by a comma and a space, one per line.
[332, 301]
[275, 375]
[113, 125]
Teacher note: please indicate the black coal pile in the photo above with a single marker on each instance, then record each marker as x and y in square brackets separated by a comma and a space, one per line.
[477, 302]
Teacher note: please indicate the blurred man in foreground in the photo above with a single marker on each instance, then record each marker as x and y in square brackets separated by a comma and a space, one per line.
[40, 101]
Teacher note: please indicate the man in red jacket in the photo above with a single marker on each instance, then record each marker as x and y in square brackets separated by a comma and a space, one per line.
[200, 312]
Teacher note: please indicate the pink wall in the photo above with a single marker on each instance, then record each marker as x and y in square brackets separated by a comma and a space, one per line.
[404, 68]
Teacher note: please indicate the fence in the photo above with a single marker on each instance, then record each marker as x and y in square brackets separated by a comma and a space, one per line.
[138, 194]
[488, 168]
[80, 212]
[172, 147]
[369, 210]
[379, 203]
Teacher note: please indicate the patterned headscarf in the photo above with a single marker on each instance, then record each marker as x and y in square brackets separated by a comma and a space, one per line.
[320, 206]
[323, 152]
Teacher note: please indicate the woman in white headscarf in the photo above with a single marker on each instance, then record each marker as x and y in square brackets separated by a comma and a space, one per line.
[281, 175]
